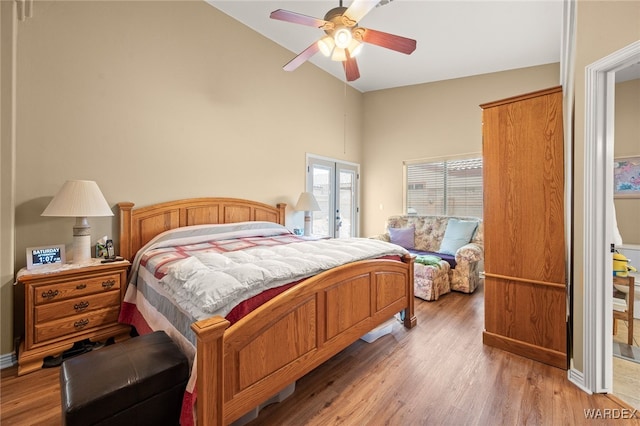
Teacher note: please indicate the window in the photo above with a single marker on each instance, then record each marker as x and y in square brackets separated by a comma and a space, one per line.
[447, 187]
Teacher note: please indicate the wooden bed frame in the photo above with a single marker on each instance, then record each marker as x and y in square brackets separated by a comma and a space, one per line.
[242, 366]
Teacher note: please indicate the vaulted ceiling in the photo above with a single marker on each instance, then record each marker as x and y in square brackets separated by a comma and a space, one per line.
[454, 38]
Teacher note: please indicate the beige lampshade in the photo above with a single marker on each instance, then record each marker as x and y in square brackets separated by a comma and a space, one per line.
[78, 198]
[307, 202]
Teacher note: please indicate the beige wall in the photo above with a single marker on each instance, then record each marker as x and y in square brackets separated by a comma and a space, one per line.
[627, 136]
[156, 101]
[426, 121]
[603, 27]
[7, 149]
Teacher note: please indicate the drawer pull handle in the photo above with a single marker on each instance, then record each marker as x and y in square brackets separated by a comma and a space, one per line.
[50, 294]
[108, 283]
[81, 323]
[81, 306]
[81, 286]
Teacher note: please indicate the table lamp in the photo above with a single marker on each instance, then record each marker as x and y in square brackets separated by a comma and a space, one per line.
[79, 199]
[307, 203]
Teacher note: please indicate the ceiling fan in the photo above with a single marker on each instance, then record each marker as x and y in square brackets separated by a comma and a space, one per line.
[344, 38]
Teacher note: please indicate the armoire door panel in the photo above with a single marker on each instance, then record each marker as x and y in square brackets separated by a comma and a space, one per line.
[524, 189]
[525, 285]
[527, 312]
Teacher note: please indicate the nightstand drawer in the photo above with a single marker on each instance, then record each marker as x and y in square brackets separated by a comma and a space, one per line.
[76, 288]
[77, 323]
[67, 308]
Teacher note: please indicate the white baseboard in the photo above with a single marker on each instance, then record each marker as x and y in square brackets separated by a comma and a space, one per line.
[577, 378]
[8, 360]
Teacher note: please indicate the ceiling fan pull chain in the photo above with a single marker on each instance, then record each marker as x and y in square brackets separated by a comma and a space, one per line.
[344, 120]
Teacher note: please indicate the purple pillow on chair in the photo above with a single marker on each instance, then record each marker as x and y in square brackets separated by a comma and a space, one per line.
[404, 237]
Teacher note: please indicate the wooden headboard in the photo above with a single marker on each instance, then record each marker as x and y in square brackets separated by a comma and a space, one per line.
[139, 226]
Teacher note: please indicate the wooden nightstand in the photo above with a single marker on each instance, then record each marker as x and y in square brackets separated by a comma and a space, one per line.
[66, 305]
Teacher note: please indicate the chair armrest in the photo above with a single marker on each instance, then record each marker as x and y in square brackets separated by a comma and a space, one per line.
[468, 253]
[383, 237]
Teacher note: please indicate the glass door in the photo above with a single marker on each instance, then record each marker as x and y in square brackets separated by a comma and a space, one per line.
[335, 186]
[347, 199]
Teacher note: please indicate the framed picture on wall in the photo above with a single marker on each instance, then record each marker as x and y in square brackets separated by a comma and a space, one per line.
[626, 177]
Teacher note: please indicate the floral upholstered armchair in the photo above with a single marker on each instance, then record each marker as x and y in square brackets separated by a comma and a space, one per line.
[458, 240]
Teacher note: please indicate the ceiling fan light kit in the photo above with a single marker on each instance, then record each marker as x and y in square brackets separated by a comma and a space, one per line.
[326, 45]
[339, 55]
[344, 39]
[355, 47]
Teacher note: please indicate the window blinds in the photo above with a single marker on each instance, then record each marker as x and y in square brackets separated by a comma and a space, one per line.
[452, 188]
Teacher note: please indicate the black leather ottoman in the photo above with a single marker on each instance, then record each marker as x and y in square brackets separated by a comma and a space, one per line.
[140, 381]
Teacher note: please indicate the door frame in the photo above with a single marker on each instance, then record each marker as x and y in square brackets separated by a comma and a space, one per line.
[597, 375]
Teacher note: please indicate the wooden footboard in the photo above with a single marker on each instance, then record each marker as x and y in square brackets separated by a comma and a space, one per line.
[278, 343]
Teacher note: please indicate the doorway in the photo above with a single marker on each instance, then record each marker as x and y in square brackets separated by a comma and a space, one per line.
[597, 373]
[335, 185]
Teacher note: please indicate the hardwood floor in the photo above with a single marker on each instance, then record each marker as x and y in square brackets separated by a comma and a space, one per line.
[32, 399]
[626, 374]
[438, 373]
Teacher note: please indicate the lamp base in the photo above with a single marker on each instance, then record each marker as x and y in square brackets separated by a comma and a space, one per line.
[307, 224]
[81, 249]
[81, 241]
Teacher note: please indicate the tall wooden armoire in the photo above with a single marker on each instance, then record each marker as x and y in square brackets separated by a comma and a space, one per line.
[525, 274]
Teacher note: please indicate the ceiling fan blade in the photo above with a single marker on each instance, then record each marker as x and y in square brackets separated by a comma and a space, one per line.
[351, 68]
[389, 41]
[297, 18]
[359, 8]
[302, 57]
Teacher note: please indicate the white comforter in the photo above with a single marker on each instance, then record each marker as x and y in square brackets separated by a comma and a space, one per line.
[207, 284]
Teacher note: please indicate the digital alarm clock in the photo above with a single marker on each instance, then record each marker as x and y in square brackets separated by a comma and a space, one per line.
[38, 257]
